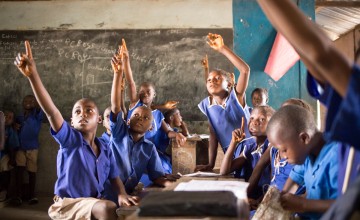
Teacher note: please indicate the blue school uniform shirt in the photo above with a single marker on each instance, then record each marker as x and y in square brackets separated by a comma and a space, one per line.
[75, 157]
[105, 138]
[319, 175]
[133, 159]
[156, 124]
[30, 128]
[248, 149]
[11, 140]
[342, 120]
[225, 119]
[280, 170]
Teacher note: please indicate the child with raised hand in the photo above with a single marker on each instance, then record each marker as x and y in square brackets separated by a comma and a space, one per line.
[225, 106]
[145, 97]
[244, 153]
[77, 196]
[134, 154]
[292, 129]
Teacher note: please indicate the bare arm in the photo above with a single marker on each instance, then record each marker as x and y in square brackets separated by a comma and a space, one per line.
[205, 64]
[123, 197]
[26, 64]
[122, 100]
[300, 204]
[2, 130]
[117, 66]
[166, 106]
[216, 42]
[310, 42]
[129, 76]
[184, 129]
[180, 139]
[264, 161]
[290, 186]
[163, 181]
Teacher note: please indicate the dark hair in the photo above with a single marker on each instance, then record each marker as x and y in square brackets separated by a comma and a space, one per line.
[260, 90]
[265, 109]
[299, 102]
[148, 84]
[228, 76]
[169, 113]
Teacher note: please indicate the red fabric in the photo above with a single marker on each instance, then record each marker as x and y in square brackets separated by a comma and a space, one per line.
[282, 58]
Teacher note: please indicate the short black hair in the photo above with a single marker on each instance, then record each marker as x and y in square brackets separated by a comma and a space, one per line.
[299, 102]
[265, 109]
[260, 90]
[169, 113]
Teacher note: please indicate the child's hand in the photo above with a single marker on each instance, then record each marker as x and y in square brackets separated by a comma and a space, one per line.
[206, 167]
[127, 200]
[205, 62]
[170, 104]
[180, 139]
[215, 41]
[125, 50]
[117, 61]
[238, 134]
[172, 177]
[254, 203]
[292, 202]
[25, 62]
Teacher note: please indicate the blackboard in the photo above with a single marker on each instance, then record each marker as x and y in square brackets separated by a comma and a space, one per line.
[76, 63]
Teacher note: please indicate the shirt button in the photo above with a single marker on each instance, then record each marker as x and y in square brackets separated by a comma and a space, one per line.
[97, 161]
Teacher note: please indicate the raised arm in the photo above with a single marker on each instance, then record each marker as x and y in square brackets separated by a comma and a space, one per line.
[264, 161]
[205, 64]
[133, 96]
[122, 99]
[26, 64]
[166, 106]
[217, 43]
[117, 66]
[310, 42]
[2, 130]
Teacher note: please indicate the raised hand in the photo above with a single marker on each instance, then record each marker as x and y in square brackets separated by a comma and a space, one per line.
[117, 61]
[239, 134]
[125, 50]
[170, 104]
[215, 41]
[205, 62]
[25, 62]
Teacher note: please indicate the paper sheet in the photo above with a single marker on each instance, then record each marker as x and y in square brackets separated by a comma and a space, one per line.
[202, 174]
[237, 187]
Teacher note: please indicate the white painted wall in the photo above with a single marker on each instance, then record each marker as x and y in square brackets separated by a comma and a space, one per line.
[120, 14]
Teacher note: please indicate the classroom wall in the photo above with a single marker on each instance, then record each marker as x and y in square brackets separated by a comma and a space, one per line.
[106, 15]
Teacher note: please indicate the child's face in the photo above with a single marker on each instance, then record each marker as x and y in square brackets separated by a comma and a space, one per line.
[106, 120]
[258, 122]
[291, 146]
[258, 99]
[216, 83]
[85, 116]
[9, 118]
[29, 102]
[141, 120]
[146, 94]
[176, 118]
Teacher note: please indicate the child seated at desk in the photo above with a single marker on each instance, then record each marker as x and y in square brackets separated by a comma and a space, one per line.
[134, 154]
[249, 151]
[174, 121]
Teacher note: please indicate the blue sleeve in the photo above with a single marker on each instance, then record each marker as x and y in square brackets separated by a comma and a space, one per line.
[297, 174]
[39, 114]
[13, 139]
[114, 169]
[118, 127]
[203, 104]
[67, 137]
[154, 167]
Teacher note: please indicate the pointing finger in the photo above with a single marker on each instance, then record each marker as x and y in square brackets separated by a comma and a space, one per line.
[28, 49]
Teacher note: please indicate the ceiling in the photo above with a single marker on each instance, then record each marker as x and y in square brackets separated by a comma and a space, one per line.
[337, 17]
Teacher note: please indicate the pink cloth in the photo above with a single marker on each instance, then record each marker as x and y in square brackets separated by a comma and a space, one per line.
[282, 58]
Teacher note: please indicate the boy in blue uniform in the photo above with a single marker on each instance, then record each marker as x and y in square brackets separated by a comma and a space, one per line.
[7, 161]
[226, 104]
[259, 96]
[83, 162]
[105, 137]
[331, 68]
[243, 154]
[292, 129]
[27, 154]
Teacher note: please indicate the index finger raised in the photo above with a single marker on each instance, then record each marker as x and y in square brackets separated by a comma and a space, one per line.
[28, 50]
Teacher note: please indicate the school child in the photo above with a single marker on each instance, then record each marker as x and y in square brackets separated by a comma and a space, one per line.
[225, 107]
[243, 154]
[292, 129]
[7, 162]
[259, 96]
[145, 96]
[280, 168]
[29, 124]
[331, 69]
[77, 196]
[134, 154]
[173, 120]
[105, 137]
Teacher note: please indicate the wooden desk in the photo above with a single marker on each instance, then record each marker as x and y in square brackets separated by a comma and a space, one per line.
[194, 152]
[244, 209]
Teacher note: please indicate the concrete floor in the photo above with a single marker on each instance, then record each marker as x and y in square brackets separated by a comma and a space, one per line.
[26, 211]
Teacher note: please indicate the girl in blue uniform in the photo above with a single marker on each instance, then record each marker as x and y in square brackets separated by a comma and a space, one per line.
[226, 105]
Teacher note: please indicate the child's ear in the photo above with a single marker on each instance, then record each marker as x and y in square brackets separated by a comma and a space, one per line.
[304, 137]
[100, 119]
[71, 122]
[151, 127]
[171, 117]
[154, 94]
[128, 122]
